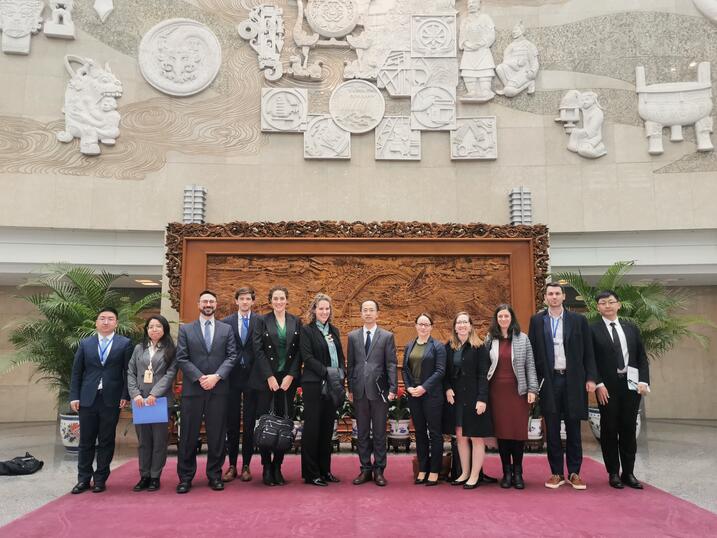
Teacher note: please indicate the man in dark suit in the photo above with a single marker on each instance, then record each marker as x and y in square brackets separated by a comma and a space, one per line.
[373, 382]
[243, 322]
[206, 353]
[623, 377]
[98, 390]
[565, 364]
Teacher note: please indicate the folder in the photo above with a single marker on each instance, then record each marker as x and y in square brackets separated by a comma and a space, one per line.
[150, 414]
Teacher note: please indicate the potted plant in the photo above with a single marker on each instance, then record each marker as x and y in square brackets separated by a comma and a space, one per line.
[399, 416]
[535, 422]
[68, 307]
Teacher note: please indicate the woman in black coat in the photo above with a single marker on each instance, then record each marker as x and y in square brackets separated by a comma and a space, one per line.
[424, 365]
[466, 382]
[324, 371]
[275, 375]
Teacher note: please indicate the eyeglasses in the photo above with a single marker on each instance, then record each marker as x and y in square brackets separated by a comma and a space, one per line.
[423, 324]
[462, 322]
[607, 303]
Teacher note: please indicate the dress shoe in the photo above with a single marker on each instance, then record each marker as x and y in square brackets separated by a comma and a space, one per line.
[362, 478]
[184, 487]
[471, 486]
[142, 484]
[230, 475]
[278, 477]
[330, 478]
[245, 474]
[378, 477]
[507, 480]
[98, 487]
[518, 482]
[153, 484]
[485, 479]
[216, 484]
[316, 482]
[418, 481]
[80, 487]
[630, 481]
[431, 482]
[458, 482]
[615, 482]
[267, 475]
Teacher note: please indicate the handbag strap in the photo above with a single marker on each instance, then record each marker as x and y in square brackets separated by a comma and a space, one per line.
[272, 409]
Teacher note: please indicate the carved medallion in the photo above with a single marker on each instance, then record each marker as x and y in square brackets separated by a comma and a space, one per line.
[395, 141]
[324, 139]
[284, 110]
[19, 21]
[357, 106]
[332, 18]
[433, 108]
[475, 138]
[180, 57]
[433, 36]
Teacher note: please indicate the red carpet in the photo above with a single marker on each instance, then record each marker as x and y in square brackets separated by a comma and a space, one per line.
[400, 509]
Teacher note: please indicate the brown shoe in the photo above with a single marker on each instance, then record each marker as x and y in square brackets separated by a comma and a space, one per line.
[230, 475]
[362, 478]
[378, 477]
[555, 481]
[577, 482]
[245, 474]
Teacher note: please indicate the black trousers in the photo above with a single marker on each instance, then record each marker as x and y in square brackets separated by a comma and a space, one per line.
[212, 408]
[263, 402]
[319, 417]
[240, 398]
[617, 428]
[573, 446]
[426, 413]
[98, 424]
[371, 418]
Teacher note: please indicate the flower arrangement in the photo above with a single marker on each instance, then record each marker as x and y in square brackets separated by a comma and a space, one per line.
[298, 405]
[398, 408]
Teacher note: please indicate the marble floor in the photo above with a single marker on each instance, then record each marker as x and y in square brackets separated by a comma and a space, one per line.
[676, 456]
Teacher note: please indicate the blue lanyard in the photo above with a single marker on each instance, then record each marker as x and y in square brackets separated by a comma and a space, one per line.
[103, 350]
[554, 324]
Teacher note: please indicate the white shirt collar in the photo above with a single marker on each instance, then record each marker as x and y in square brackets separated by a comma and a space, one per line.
[109, 336]
[607, 322]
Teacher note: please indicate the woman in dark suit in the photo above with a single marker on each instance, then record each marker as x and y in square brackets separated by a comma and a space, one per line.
[150, 374]
[275, 375]
[467, 364]
[424, 365]
[324, 369]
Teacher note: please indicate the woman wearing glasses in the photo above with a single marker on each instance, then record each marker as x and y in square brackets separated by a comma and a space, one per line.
[424, 365]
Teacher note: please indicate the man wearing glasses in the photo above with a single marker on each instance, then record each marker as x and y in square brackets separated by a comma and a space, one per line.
[623, 377]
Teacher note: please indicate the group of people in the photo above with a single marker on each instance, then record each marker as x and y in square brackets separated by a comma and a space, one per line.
[470, 388]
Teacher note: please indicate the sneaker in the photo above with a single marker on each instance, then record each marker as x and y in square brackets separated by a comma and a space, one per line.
[555, 481]
[577, 482]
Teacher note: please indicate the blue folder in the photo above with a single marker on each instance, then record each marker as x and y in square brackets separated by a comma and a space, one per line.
[150, 414]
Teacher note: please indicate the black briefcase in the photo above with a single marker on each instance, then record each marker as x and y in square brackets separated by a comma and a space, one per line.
[274, 432]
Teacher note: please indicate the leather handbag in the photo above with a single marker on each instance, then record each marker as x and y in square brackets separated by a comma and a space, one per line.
[274, 432]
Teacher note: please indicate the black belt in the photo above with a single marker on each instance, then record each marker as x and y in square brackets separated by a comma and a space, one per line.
[559, 372]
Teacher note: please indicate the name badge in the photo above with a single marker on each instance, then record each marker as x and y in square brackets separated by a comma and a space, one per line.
[148, 376]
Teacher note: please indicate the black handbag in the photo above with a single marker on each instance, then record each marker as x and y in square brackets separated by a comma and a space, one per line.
[274, 432]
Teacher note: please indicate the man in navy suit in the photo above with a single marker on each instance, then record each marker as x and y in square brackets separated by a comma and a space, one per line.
[98, 390]
[241, 395]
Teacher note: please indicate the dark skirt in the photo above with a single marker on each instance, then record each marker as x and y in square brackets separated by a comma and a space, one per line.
[464, 416]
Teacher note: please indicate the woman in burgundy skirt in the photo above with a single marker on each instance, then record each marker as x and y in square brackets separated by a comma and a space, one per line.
[511, 377]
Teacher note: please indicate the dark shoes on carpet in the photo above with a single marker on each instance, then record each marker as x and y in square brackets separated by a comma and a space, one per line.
[267, 475]
[378, 477]
[485, 479]
[216, 484]
[184, 487]
[615, 482]
[142, 484]
[518, 482]
[330, 478]
[507, 480]
[153, 484]
[98, 487]
[630, 481]
[362, 478]
[80, 487]
[230, 474]
[316, 482]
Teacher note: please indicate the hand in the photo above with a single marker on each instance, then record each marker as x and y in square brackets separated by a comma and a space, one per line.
[480, 408]
[273, 384]
[602, 395]
[209, 381]
[151, 400]
[138, 401]
[531, 397]
[451, 396]
[391, 396]
[590, 386]
[286, 382]
[642, 389]
[419, 391]
[75, 405]
[123, 403]
[350, 396]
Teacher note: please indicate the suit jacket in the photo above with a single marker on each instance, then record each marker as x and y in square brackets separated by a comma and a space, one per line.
[433, 368]
[580, 361]
[375, 375]
[266, 343]
[521, 358]
[162, 375]
[315, 352]
[245, 351]
[87, 370]
[470, 381]
[606, 359]
[195, 360]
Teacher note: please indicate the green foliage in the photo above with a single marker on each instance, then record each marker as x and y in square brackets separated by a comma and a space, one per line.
[68, 311]
[655, 309]
[398, 408]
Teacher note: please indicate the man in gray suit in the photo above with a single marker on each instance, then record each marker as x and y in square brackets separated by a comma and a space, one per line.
[206, 353]
[373, 382]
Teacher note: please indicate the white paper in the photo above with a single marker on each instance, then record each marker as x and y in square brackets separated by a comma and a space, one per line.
[633, 377]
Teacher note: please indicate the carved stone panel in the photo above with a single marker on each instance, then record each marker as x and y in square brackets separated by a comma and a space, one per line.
[324, 139]
[357, 106]
[264, 29]
[60, 24]
[475, 138]
[180, 57]
[396, 141]
[284, 110]
[433, 36]
[332, 18]
[433, 108]
[19, 21]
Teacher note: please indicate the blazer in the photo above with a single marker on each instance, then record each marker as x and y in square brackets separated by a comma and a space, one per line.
[162, 377]
[470, 381]
[195, 360]
[245, 352]
[88, 370]
[315, 352]
[266, 358]
[606, 360]
[521, 358]
[375, 375]
[433, 368]
[580, 361]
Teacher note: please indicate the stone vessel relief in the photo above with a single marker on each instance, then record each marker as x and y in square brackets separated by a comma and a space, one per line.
[520, 65]
[396, 141]
[90, 105]
[19, 21]
[475, 139]
[60, 24]
[324, 139]
[674, 105]
[284, 110]
[264, 29]
[582, 117]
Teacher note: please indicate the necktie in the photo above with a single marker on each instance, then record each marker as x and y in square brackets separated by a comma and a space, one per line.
[618, 347]
[208, 334]
[244, 329]
[104, 344]
[367, 345]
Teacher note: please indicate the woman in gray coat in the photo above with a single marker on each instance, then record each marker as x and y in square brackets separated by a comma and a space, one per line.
[150, 374]
[513, 387]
